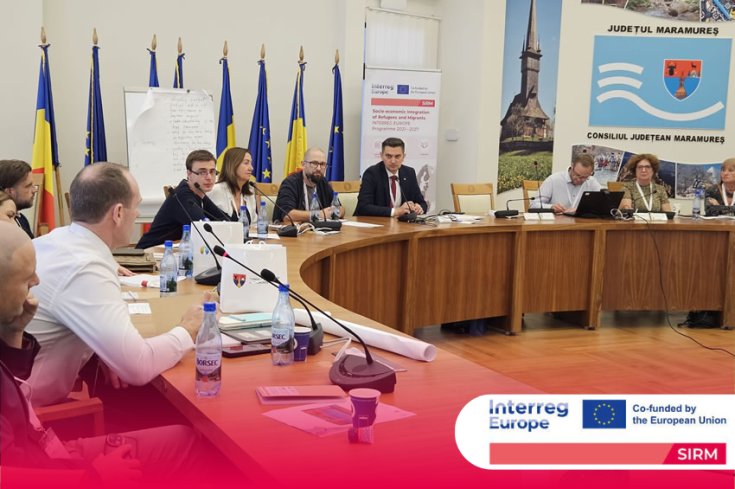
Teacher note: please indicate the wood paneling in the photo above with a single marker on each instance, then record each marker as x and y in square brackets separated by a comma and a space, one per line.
[317, 276]
[370, 281]
[558, 270]
[694, 270]
[463, 277]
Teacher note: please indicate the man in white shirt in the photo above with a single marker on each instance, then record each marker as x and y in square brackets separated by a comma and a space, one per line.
[562, 190]
[81, 308]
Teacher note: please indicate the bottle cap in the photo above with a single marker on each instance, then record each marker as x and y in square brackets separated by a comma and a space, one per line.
[210, 307]
[283, 288]
[206, 219]
[242, 207]
[335, 194]
[187, 227]
[262, 204]
[168, 243]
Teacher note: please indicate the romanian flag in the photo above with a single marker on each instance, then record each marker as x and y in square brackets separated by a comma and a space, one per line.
[45, 154]
[226, 126]
[153, 77]
[336, 156]
[296, 146]
[260, 131]
[179, 73]
[96, 141]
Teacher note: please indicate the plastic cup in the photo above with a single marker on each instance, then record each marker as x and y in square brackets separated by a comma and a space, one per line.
[364, 410]
[301, 335]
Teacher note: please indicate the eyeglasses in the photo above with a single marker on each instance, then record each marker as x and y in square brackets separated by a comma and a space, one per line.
[644, 167]
[204, 173]
[577, 175]
[317, 164]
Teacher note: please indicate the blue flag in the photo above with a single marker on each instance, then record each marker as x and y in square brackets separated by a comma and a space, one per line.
[336, 156]
[179, 72]
[260, 131]
[226, 126]
[603, 414]
[153, 76]
[96, 142]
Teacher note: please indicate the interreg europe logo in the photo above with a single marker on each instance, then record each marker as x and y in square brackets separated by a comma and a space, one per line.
[403, 89]
[603, 414]
[525, 416]
[657, 82]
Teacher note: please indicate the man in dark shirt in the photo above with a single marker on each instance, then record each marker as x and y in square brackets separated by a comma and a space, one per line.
[389, 188]
[201, 168]
[297, 190]
[15, 180]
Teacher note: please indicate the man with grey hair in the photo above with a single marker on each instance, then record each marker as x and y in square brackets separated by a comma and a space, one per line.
[297, 189]
[82, 311]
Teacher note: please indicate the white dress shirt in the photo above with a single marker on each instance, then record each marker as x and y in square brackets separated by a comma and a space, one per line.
[396, 203]
[81, 311]
[222, 197]
[559, 189]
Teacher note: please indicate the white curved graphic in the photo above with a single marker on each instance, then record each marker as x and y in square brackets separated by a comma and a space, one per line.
[661, 114]
[620, 67]
[619, 80]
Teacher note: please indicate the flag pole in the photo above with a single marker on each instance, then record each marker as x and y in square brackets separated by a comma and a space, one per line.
[57, 173]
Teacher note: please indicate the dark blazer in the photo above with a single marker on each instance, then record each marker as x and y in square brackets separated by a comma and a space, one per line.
[24, 224]
[291, 196]
[374, 196]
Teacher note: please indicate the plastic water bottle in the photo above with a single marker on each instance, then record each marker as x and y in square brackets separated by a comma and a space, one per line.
[169, 271]
[245, 220]
[209, 354]
[186, 254]
[282, 329]
[314, 209]
[334, 210]
[262, 222]
[697, 205]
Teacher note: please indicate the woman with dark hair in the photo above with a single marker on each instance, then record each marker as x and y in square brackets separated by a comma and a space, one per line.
[643, 194]
[7, 207]
[232, 190]
[724, 193]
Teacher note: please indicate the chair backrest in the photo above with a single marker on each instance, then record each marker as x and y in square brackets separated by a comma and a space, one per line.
[68, 204]
[165, 191]
[348, 192]
[530, 189]
[615, 186]
[473, 198]
[271, 190]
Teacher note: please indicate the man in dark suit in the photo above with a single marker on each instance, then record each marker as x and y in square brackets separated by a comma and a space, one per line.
[388, 188]
[15, 180]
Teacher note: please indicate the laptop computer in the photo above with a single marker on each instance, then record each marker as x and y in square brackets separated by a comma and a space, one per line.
[597, 205]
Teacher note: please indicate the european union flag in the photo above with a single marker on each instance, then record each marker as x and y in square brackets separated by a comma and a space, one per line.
[226, 126]
[260, 131]
[403, 89]
[153, 76]
[179, 72]
[603, 414]
[96, 141]
[336, 156]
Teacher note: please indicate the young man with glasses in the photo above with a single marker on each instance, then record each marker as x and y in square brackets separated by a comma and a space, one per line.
[297, 189]
[562, 191]
[201, 168]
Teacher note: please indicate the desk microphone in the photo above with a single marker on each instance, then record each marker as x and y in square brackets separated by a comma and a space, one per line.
[212, 217]
[350, 371]
[410, 216]
[325, 223]
[214, 274]
[207, 199]
[291, 231]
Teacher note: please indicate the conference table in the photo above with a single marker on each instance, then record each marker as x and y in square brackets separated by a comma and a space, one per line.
[402, 276]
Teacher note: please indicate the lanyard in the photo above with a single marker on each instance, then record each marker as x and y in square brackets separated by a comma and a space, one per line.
[649, 202]
[724, 197]
[308, 196]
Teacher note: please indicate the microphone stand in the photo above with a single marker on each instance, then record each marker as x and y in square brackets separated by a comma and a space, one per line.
[410, 216]
[291, 231]
[541, 209]
[350, 371]
[207, 277]
[206, 198]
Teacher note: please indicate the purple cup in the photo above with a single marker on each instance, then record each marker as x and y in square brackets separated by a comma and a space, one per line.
[364, 407]
[301, 335]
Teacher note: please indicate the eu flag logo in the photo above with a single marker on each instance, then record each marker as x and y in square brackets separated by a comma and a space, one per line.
[628, 89]
[603, 414]
[403, 89]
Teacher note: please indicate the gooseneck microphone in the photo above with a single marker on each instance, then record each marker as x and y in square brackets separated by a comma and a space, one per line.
[325, 223]
[191, 203]
[207, 199]
[410, 216]
[350, 371]
[291, 231]
[541, 209]
[207, 277]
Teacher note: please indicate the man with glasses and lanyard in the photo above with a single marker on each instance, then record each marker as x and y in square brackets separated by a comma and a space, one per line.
[201, 168]
[297, 190]
[562, 191]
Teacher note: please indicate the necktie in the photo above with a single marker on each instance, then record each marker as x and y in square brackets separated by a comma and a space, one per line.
[393, 179]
